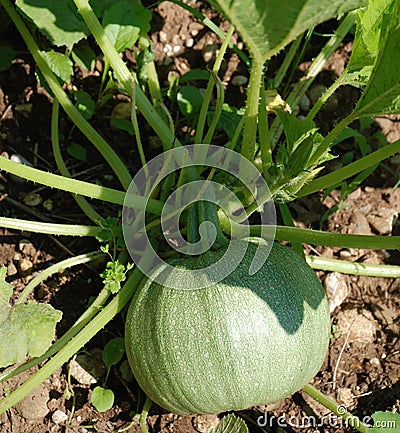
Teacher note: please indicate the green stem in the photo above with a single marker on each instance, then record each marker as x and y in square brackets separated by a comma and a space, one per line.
[210, 85]
[321, 101]
[288, 221]
[64, 264]
[143, 415]
[341, 240]
[76, 343]
[93, 136]
[218, 109]
[85, 318]
[328, 140]
[316, 237]
[350, 169]
[78, 186]
[251, 115]
[330, 404]
[124, 76]
[264, 137]
[353, 268]
[315, 68]
[82, 202]
[49, 228]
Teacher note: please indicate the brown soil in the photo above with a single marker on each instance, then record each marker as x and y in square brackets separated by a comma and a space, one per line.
[362, 368]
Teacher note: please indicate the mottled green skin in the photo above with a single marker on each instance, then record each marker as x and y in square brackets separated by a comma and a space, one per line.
[246, 341]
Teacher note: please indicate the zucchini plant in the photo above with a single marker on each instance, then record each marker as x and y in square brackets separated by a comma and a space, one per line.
[242, 320]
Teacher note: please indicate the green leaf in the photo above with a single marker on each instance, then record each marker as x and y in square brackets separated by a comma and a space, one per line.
[85, 104]
[231, 424]
[77, 151]
[58, 20]
[123, 23]
[102, 399]
[366, 40]
[113, 351]
[382, 94]
[123, 125]
[267, 26]
[26, 329]
[189, 100]
[385, 422]
[60, 64]
[7, 55]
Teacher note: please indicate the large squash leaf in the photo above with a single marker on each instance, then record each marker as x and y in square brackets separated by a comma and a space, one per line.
[267, 26]
[382, 94]
[25, 329]
[58, 20]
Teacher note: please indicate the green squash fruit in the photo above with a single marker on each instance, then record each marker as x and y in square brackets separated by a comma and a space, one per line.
[244, 341]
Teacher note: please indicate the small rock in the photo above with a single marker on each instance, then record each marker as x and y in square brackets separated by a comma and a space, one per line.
[383, 220]
[11, 269]
[375, 362]
[346, 399]
[25, 267]
[357, 327]
[59, 417]
[162, 36]
[205, 423]
[359, 224]
[34, 405]
[87, 369]
[239, 80]
[189, 42]
[209, 52]
[176, 48]
[305, 103]
[32, 199]
[48, 204]
[337, 289]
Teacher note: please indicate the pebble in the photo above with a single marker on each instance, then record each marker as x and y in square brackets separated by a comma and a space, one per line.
[25, 267]
[162, 36]
[359, 224]
[375, 362]
[32, 199]
[239, 80]
[59, 417]
[305, 103]
[189, 42]
[382, 221]
[209, 52]
[358, 327]
[87, 369]
[34, 405]
[48, 204]
[205, 423]
[337, 289]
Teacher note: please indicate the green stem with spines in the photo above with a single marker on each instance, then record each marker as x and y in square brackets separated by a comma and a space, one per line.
[323, 98]
[86, 334]
[80, 187]
[330, 404]
[49, 228]
[93, 136]
[351, 169]
[353, 268]
[316, 237]
[64, 264]
[81, 201]
[251, 115]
